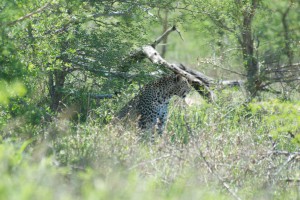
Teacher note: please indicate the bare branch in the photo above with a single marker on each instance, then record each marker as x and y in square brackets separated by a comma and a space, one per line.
[290, 180]
[198, 80]
[223, 68]
[285, 153]
[211, 170]
[165, 34]
[41, 9]
[101, 96]
[232, 83]
[205, 79]
[199, 85]
[137, 55]
[289, 159]
[149, 161]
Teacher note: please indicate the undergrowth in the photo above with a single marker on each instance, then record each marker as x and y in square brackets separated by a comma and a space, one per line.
[228, 150]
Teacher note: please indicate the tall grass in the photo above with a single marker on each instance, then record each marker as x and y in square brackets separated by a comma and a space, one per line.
[222, 151]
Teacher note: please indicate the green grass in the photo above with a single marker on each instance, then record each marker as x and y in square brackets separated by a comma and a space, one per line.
[221, 151]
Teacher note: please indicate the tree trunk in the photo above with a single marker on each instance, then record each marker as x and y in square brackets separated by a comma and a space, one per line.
[288, 50]
[56, 85]
[165, 40]
[247, 44]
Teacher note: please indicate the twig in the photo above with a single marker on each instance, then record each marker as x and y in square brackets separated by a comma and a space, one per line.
[215, 65]
[210, 169]
[165, 34]
[290, 158]
[41, 9]
[179, 34]
[101, 96]
[290, 180]
[149, 161]
[286, 153]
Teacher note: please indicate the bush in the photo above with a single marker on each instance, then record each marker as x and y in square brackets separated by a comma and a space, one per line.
[207, 151]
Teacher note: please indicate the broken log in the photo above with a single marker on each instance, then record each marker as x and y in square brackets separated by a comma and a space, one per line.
[203, 84]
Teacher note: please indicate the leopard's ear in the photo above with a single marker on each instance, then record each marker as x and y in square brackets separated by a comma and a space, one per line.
[178, 77]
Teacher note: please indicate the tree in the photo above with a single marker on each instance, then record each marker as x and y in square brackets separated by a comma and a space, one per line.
[74, 48]
[64, 50]
[242, 20]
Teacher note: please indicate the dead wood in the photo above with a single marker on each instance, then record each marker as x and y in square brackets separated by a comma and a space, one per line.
[203, 84]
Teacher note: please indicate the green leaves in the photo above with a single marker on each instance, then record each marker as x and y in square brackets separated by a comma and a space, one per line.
[281, 120]
[11, 90]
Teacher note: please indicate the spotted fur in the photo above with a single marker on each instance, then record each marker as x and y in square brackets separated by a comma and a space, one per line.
[150, 106]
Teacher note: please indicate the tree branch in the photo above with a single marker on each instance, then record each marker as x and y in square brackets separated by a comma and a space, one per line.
[198, 80]
[210, 169]
[199, 85]
[41, 9]
[165, 34]
[101, 96]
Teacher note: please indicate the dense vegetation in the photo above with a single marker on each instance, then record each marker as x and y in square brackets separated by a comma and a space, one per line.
[58, 59]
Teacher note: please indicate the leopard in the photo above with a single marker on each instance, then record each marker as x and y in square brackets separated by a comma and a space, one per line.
[150, 106]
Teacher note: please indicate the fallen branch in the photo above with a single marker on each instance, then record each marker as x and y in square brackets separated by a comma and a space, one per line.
[198, 80]
[138, 55]
[202, 83]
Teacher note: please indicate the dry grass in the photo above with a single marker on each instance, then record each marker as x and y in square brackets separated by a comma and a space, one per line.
[207, 152]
